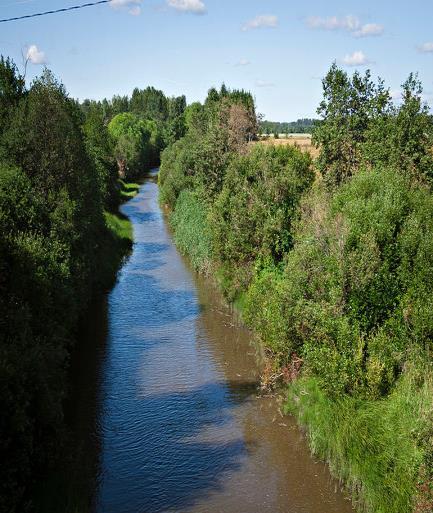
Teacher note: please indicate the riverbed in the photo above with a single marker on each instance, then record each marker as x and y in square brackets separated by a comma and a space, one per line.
[177, 423]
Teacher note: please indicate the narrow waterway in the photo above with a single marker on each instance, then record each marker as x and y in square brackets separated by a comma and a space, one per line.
[177, 423]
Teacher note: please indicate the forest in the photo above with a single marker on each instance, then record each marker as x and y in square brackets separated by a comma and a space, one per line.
[300, 126]
[62, 240]
[330, 263]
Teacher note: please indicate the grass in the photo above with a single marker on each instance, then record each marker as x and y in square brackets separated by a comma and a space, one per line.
[119, 226]
[128, 190]
[376, 448]
[117, 246]
[303, 141]
[191, 230]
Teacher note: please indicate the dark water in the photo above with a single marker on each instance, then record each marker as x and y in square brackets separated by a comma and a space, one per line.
[176, 423]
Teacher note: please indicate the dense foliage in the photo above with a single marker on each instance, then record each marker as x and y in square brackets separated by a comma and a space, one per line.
[61, 240]
[217, 131]
[333, 274]
[252, 217]
[300, 126]
[232, 202]
[361, 126]
[140, 126]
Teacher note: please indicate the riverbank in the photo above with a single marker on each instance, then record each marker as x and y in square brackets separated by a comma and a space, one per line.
[331, 268]
[118, 224]
[120, 240]
[128, 189]
[166, 397]
[378, 449]
[65, 487]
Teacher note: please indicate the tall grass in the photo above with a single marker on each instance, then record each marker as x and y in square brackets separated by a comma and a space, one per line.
[119, 226]
[375, 447]
[117, 245]
[191, 230]
[128, 190]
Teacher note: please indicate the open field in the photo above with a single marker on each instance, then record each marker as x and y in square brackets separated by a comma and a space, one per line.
[301, 140]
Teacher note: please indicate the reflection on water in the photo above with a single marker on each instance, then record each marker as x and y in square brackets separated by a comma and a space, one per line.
[179, 426]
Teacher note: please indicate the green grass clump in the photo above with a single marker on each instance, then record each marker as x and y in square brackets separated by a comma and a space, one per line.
[128, 190]
[119, 226]
[375, 447]
[191, 230]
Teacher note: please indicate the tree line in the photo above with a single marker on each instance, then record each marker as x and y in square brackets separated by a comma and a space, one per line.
[61, 241]
[330, 263]
[140, 126]
[300, 126]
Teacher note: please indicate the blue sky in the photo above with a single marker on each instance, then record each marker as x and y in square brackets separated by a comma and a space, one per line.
[278, 49]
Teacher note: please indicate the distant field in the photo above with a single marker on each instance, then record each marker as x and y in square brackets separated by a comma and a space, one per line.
[301, 140]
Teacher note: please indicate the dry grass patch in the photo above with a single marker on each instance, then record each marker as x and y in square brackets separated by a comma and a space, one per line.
[302, 141]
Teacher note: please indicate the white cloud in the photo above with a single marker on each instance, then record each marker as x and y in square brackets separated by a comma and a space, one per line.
[124, 3]
[133, 6]
[35, 56]
[265, 20]
[356, 59]
[369, 29]
[264, 83]
[348, 23]
[191, 6]
[243, 62]
[426, 48]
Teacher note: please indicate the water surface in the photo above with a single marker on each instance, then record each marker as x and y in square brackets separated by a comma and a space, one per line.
[177, 423]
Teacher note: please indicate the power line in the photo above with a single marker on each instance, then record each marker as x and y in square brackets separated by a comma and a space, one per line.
[64, 9]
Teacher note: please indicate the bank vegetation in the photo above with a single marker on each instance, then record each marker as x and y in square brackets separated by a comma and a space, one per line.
[331, 265]
[62, 240]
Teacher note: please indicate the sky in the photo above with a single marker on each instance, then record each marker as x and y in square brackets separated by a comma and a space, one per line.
[277, 49]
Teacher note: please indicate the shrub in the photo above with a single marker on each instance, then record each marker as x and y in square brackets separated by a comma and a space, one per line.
[192, 233]
[252, 217]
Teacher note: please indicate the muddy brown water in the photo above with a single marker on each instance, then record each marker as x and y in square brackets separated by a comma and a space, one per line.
[176, 423]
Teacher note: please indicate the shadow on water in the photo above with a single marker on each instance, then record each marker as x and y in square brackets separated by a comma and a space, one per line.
[181, 456]
[136, 216]
[146, 303]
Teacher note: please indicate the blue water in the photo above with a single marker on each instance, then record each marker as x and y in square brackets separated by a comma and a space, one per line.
[180, 426]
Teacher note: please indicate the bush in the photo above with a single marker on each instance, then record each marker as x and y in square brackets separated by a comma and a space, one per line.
[353, 301]
[252, 217]
[354, 288]
[192, 232]
[174, 175]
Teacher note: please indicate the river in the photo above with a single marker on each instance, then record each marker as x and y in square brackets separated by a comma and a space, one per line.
[175, 423]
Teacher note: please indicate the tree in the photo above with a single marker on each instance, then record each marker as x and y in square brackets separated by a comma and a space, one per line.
[195, 117]
[149, 103]
[52, 238]
[348, 107]
[100, 147]
[413, 135]
[132, 143]
[175, 125]
[11, 89]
